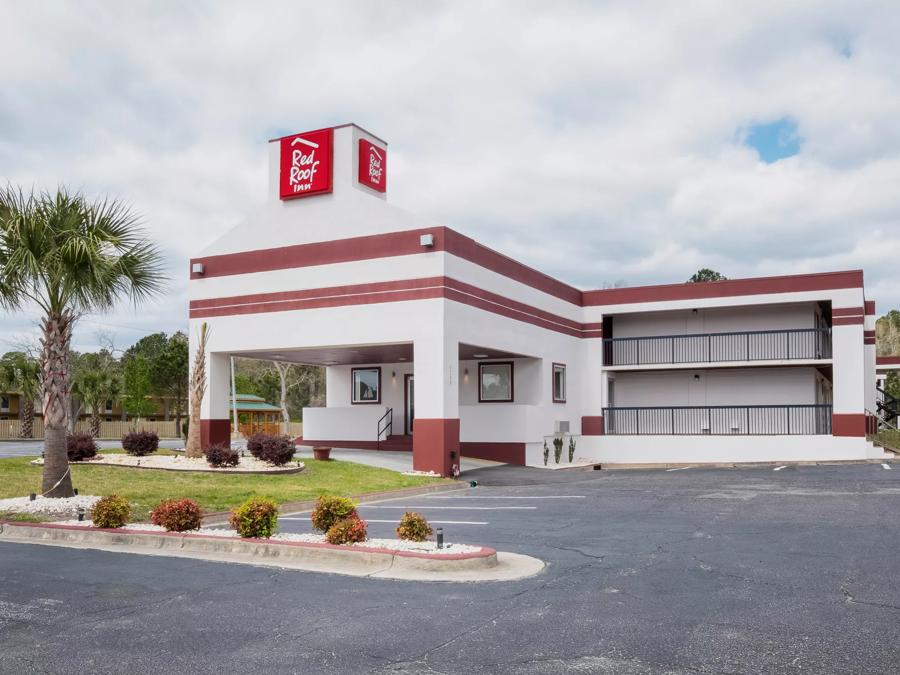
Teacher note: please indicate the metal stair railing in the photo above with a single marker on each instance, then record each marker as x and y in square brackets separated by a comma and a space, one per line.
[388, 420]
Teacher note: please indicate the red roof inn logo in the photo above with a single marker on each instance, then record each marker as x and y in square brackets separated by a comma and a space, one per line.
[306, 163]
[372, 165]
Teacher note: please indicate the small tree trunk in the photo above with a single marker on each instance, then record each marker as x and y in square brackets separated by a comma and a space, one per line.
[95, 425]
[282, 376]
[57, 335]
[194, 446]
[27, 411]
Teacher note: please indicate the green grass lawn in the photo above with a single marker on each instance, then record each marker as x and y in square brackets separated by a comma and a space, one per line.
[144, 488]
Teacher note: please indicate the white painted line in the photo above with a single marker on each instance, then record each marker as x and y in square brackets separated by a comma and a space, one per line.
[886, 466]
[451, 508]
[470, 496]
[680, 468]
[436, 522]
[779, 468]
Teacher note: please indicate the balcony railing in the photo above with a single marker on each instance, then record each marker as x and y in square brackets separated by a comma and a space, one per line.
[761, 345]
[721, 420]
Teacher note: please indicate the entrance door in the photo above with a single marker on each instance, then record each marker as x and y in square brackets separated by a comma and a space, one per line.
[410, 401]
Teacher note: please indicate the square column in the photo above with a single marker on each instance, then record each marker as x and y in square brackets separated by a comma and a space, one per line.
[593, 387]
[436, 430]
[215, 415]
[849, 368]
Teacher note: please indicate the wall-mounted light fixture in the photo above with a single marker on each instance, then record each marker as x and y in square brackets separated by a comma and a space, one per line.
[197, 268]
[394, 374]
[427, 240]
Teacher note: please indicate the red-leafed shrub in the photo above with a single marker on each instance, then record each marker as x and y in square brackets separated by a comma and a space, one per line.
[221, 454]
[111, 511]
[347, 531]
[330, 510]
[80, 447]
[255, 518]
[177, 515]
[140, 443]
[413, 527]
[277, 450]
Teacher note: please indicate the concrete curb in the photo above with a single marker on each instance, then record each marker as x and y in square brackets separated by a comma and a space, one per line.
[484, 565]
[237, 472]
[287, 508]
[736, 465]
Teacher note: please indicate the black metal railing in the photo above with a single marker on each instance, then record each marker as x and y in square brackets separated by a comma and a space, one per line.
[719, 420]
[385, 426]
[760, 345]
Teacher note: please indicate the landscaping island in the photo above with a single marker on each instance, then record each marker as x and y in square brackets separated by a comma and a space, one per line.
[215, 492]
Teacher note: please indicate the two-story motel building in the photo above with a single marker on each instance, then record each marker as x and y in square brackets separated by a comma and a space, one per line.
[434, 342]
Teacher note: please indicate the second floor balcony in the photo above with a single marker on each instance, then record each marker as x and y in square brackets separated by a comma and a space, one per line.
[796, 344]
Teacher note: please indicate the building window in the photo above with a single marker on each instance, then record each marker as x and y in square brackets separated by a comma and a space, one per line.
[108, 406]
[495, 382]
[4, 402]
[559, 383]
[366, 385]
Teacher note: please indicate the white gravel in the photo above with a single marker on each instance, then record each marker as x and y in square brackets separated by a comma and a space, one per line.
[390, 544]
[430, 474]
[182, 463]
[47, 506]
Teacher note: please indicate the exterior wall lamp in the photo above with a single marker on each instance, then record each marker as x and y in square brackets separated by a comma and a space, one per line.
[427, 240]
[197, 268]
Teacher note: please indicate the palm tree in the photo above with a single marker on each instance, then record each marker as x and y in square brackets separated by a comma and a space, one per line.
[68, 256]
[96, 382]
[22, 374]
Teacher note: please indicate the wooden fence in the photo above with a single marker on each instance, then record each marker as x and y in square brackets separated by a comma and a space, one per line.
[12, 429]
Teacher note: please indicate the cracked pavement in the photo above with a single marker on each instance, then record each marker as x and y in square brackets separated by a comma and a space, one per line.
[696, 571]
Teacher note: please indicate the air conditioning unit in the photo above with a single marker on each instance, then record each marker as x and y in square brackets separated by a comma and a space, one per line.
[561, 427]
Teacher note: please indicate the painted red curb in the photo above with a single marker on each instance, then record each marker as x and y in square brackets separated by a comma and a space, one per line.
[485, 552]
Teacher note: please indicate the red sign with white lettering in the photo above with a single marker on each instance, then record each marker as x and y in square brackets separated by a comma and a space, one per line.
[372, 165]
[306, 163]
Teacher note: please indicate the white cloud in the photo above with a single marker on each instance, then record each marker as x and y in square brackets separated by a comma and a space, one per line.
[613, 129]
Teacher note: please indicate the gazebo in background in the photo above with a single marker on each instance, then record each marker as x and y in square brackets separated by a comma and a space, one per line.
[255, 415]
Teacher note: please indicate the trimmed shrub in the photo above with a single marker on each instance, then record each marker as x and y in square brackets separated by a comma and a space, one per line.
[80, 447]
[413, 527]
[347, 531]
[177, 515]
[255, 518]
[330, 510]
[140, 443]
[221, 454]
[111, 511]
[277, 450]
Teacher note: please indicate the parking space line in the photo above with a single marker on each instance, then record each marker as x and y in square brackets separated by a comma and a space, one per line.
[679, 468]
[471, 496]
[886, 466]
[452, 508]
[779, 468]
[436, 522]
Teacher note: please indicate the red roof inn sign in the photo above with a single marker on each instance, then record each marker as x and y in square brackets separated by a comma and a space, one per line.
[306, 163]
[372, 165]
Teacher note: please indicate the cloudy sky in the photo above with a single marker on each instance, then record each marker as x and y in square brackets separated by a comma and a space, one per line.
[643, 140]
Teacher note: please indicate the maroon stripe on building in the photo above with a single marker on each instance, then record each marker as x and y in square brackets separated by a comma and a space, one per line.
[328, 291]
[847, 311]
[870, 308]
[592, 425]
[868, 341]
[732, 287]
[848, 320]
[390, 244]
[852, 424]
[887, 360]
[391, 291]
[509, 453]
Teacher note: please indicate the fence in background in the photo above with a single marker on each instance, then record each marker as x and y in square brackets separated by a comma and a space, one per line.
[12, 429]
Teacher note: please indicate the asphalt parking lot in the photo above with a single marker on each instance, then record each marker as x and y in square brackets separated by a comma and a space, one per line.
[697, 570]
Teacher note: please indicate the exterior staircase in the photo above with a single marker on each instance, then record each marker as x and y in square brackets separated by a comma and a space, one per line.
[397, 443]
